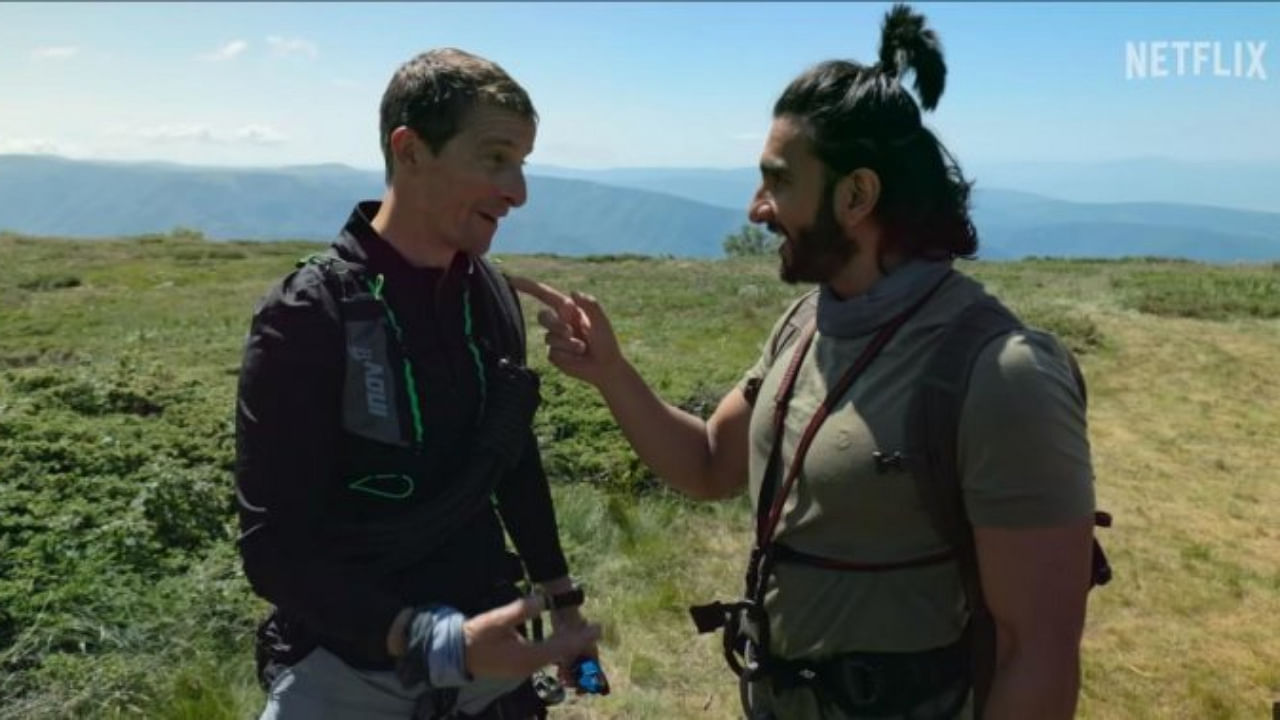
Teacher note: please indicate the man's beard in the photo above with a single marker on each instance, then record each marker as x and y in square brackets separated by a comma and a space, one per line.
[818, 251]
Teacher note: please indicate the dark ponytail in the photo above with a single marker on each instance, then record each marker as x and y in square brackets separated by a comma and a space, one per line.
[860, 116]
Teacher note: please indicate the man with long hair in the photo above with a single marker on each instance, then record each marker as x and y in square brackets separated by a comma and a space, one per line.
[858, 603]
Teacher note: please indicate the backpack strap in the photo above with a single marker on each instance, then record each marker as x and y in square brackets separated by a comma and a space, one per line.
[934, 414]
[798, 316]
[509, 320]
[933, 423]
[379, 385]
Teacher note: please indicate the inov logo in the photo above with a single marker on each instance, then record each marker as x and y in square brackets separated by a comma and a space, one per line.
[375, 384]
[1181, 58]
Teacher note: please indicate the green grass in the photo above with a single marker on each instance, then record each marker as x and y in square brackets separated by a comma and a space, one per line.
[1209, 294]
[121, 593]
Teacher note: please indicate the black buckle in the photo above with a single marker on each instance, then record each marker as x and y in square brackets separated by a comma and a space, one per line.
[864, 683]
[1100, 572]
[709, 617]
[739, 650]
[746, 656]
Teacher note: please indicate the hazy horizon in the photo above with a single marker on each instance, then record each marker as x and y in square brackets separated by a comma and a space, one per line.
[627, 85]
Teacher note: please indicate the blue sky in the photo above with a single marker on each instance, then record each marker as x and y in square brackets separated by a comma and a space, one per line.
[663, 84]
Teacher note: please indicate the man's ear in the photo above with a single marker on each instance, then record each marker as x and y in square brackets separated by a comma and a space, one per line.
[856, 195]
[403, 148]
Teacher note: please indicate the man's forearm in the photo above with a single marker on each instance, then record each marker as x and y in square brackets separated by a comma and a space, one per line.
[524, 502]
[558, 585]
[672, 442]
[1033, 685]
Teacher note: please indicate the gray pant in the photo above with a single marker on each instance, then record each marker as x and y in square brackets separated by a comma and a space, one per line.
[322, 687]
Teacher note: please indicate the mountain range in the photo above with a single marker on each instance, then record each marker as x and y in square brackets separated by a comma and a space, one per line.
[683, 212]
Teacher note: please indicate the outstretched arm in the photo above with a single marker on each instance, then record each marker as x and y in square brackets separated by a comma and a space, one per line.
[705, 460]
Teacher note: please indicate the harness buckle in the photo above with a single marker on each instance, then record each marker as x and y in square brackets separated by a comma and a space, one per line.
[864, 683]
[709, 617]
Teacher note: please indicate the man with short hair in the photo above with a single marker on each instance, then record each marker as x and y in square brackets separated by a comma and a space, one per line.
[384, 435]
[859, 603]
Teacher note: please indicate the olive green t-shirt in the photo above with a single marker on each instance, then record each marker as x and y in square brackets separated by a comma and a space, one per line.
[1024, 460]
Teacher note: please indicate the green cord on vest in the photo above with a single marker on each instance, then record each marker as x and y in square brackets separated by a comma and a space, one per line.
[367, 484]
[310, 258]
[471, 343]
[411, 387]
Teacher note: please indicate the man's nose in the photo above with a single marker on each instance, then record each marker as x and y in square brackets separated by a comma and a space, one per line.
[760, 210]
[515, 189]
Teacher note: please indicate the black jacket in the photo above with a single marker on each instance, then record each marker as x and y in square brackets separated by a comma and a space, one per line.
[294, 458]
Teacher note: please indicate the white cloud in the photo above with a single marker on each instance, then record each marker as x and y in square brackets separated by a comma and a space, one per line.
[30, 146]
[59, 52]
[204, 134]
[286, 46]
[227, 52]
[177, 132]
[258, 135]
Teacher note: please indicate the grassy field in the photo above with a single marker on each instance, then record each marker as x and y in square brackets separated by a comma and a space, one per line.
[120, 591]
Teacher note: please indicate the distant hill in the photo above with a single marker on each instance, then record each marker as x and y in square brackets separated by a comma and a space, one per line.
[655, 211]
[1239, 186]
[1018, 223]
[1242, 186]
[1013, 224]
[43, 195]
[730, 188]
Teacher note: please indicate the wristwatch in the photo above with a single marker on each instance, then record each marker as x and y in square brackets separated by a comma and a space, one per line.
[567, 599]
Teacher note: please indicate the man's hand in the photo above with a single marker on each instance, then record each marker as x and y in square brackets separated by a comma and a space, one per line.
[704, 460]
[580, 339]
[567, 619]
[564, 620]
[496, 649]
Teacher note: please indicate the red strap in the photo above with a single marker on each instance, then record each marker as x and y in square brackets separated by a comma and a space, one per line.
[785, 553]
[765, 531]
[797, 462]
[782, 400]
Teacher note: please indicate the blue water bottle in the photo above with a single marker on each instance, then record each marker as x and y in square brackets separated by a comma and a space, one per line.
[590, 677]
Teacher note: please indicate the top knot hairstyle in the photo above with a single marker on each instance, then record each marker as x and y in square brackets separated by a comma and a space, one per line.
[905, 43]
[861, 116]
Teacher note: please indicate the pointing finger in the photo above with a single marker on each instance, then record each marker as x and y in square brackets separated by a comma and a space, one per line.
[553, 324]
[542, 292]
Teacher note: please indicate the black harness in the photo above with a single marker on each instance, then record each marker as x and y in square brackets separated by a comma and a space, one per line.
[865, 684]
